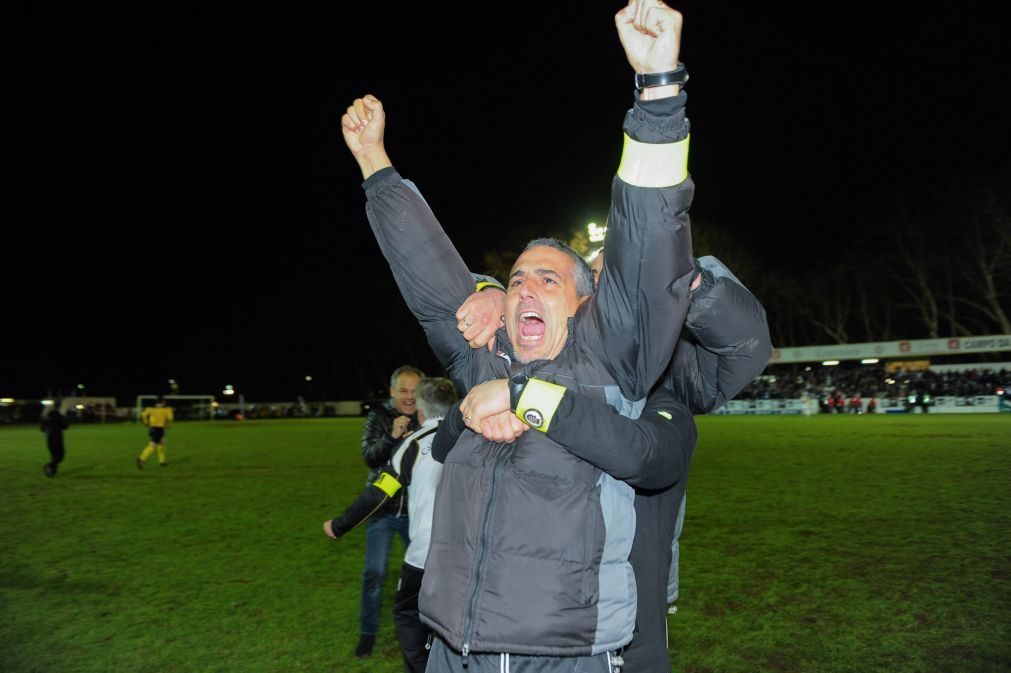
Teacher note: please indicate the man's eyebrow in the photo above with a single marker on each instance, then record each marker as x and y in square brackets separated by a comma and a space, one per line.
[539, 272]
[547, 272]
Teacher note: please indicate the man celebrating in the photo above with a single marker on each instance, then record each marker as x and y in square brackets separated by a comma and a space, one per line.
[529, 547]
[385, 427]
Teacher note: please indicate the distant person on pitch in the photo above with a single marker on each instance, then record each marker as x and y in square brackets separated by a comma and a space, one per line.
[158, 418]
[53, 424]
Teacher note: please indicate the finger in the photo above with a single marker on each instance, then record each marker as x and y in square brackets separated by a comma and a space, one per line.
[657, 20]
[375, 107]
[518, 426]
[352, 114]
[362, 111]
[347, 123]
[468, 305]
[471, 331]
[640, 12]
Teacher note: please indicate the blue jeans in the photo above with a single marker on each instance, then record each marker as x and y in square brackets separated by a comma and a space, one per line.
[378, 535]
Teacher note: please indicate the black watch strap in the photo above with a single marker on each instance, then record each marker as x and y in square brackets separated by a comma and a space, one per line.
[517, 382]
[646, 80]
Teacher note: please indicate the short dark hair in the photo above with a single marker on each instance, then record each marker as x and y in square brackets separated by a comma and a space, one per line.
[435, 396]
[581, 273]
[405, 369]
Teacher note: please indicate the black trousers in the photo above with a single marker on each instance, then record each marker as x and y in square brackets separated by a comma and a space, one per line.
[411, 633]
[56, 452]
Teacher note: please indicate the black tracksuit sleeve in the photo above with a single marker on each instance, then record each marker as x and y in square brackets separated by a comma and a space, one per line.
[655, 451]
[449, 431]
[634, 318]
[365, 505]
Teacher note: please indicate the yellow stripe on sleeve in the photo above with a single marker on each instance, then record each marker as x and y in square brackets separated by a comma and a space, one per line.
[654, 165]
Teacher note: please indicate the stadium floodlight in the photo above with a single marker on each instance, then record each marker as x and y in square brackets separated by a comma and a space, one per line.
[80, 386]
[228, 391]
[79, 407]
[6, 400]
[596, 232]
[890, 382]
[830, 363]
[308, 378]
[48, 403]
[870, 361]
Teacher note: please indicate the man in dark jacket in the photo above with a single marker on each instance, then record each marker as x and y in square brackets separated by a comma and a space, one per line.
[385, 426]
[556, 593]
[53, 424]
[724, 345]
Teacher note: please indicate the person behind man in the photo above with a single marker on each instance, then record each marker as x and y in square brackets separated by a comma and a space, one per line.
[158, 419]
[385, 427]
[412, 468]
[528, 556]
[53, 424]
[724, 345]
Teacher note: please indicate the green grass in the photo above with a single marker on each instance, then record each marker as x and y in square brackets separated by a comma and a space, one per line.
[810, 544]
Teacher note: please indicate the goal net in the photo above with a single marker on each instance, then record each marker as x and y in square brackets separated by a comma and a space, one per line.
[184, 407]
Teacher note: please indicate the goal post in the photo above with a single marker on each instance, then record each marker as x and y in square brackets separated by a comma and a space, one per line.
[184, 407]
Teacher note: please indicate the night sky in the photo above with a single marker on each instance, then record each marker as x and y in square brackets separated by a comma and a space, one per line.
[178, 202]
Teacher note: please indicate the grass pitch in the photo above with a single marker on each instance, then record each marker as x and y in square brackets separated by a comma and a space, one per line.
[822, 544]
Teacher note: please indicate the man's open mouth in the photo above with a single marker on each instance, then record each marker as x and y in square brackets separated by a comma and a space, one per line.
[532, 326]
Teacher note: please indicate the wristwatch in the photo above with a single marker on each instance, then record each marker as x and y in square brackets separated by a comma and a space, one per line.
[646, 80]
[517, 382]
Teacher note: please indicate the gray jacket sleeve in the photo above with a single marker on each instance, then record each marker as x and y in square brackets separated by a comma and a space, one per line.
[633, 320]
[725, 343]
[431, 276]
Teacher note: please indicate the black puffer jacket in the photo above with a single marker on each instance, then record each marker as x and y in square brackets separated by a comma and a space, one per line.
[378, 445]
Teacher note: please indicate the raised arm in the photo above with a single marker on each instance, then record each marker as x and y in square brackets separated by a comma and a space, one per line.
[431, 276]
[642, 297]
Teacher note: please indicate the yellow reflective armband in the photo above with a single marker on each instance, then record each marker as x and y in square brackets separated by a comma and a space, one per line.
[654, 165]
[387, 483]
[538, 403]
[489, 283]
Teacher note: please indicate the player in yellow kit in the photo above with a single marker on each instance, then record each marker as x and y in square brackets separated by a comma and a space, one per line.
[158, 418]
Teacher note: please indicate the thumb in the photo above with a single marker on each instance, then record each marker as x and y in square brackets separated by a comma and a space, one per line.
[372, 103]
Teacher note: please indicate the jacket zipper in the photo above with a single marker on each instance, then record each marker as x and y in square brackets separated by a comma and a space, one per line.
[469, 618]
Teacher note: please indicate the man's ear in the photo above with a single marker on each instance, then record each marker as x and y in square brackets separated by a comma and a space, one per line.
[584, 299]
